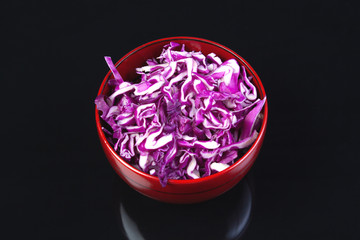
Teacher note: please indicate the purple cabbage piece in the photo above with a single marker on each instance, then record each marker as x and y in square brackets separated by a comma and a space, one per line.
[189, 116]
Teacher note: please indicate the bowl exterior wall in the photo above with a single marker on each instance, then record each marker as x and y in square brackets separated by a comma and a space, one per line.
[183, 193]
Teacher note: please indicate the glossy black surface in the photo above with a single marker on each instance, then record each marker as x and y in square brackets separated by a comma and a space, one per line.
[56, 182]
[225, 217]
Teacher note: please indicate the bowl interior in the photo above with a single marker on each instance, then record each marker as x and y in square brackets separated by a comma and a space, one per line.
[137, 58]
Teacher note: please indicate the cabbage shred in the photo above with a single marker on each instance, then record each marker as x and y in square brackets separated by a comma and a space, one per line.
[190, 116]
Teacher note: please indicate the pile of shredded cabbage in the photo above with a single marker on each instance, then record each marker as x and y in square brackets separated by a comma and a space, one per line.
[189, 116]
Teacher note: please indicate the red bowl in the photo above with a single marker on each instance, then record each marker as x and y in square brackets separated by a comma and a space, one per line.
[180, 191]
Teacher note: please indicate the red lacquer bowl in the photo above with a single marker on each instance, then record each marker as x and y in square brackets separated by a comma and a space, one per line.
[180, 191]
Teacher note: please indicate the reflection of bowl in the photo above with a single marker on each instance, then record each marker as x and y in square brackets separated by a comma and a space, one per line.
[226, 217]
[180, 191]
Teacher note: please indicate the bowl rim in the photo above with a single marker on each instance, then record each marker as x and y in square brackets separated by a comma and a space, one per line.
[201, 179]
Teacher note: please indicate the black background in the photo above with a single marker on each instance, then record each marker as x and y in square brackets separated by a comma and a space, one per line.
[55, 180]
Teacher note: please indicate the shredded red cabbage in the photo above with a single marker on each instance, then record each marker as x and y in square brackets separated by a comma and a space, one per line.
[190, 115]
